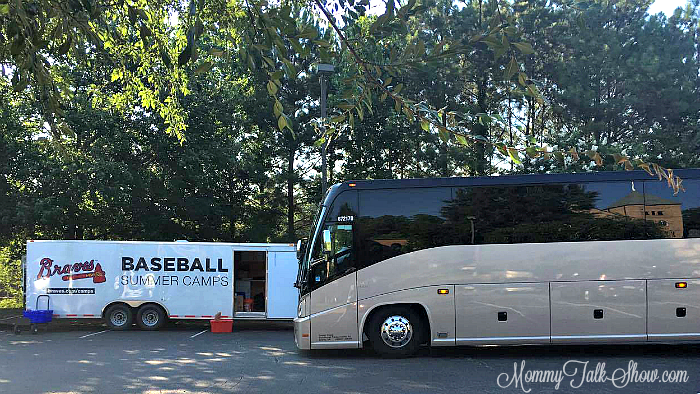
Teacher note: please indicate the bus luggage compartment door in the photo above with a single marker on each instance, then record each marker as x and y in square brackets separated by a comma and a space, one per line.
[674, 312]
[598, 311]
[509, 313]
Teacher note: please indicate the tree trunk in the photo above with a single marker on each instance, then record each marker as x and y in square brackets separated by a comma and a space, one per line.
[291, 235]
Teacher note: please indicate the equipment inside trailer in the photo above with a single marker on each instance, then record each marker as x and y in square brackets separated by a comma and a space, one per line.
[250, 273]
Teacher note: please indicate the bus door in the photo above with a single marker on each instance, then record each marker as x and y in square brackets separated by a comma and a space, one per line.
[333, 281]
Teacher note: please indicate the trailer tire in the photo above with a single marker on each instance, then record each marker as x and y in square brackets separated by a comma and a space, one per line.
[395, 331]
[119, 317]
[150, 317]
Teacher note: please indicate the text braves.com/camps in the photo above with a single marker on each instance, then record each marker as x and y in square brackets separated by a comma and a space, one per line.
[577, 373]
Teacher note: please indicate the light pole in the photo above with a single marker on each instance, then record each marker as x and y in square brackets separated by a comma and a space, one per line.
[324, 71]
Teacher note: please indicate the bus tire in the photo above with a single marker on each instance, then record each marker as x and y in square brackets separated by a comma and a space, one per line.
[150, 317]
[395, 331]
[119, 317]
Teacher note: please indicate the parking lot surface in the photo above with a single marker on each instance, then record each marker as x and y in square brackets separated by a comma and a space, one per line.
[261, 358]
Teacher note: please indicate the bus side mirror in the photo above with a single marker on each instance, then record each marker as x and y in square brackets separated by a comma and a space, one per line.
[327, 241]
[301, 248]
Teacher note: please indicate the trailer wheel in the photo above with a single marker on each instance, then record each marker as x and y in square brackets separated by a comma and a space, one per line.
[395, 331]
[150, 317]
[119, 317]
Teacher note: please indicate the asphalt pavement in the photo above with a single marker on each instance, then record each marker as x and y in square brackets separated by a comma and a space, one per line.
[85, 357]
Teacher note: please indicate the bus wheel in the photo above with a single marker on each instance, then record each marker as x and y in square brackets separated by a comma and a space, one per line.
[395, 331]
[150, 317]
[119, 317]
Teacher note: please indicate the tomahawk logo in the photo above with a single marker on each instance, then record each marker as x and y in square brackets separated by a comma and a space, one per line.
[74, 271]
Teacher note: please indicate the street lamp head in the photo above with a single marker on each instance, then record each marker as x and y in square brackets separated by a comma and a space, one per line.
[323, 68]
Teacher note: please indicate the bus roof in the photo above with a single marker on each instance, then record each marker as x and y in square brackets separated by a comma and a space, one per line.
[603, 176]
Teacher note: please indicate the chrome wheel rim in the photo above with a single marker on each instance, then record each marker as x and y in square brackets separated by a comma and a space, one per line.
[396, 331]
[149, 318]
[118, 318]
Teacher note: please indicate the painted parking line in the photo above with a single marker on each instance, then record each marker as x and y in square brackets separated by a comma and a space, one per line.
[199, 333]
[11, 317]
[94, 333]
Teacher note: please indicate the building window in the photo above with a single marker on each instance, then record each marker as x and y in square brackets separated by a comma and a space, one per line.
[659, 213]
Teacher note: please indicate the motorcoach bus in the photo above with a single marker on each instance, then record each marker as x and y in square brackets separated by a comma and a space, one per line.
[605, 257]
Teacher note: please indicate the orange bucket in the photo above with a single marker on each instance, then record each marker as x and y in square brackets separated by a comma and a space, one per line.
[221, 325]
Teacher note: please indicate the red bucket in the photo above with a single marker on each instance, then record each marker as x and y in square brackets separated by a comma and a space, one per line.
[221, 325]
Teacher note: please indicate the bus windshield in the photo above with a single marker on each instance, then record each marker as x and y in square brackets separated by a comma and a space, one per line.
[313, 234]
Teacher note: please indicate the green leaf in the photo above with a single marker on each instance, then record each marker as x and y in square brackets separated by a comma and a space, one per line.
[277, 108]
[559, 156]
[514, 155]
[511, 69]
[296, 45]
[522, 79]
[271, 88]
[309, 33]
[338, 119]
[532, 151]
[502, 148]
[499, 51]
[424, 124]
[4, 8]
[398, 88]
[322, 43]
[462, 139]
[116, 74]
[277, 75]
[524, 47]
[444, 135]
[206, 66]
[216, 52]
[290, 69]
[281, 122]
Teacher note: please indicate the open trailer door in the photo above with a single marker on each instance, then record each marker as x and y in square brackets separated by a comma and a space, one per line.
[282, 295]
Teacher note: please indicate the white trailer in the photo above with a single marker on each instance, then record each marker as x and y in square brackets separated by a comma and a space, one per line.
[127, 282]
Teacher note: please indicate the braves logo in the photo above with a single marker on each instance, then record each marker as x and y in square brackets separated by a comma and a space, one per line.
[72, 271]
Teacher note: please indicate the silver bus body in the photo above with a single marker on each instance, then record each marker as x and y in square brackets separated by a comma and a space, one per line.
[629, 291]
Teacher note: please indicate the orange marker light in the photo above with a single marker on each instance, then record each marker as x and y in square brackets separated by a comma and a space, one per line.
[443, 291]
[351, 184]
[681, 285]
